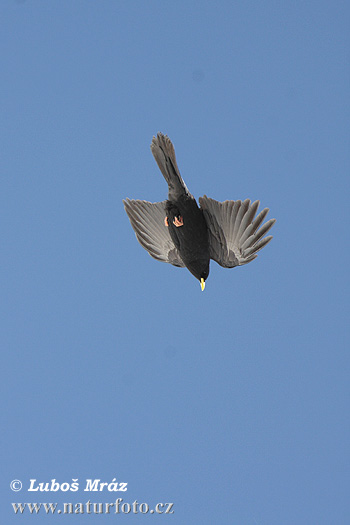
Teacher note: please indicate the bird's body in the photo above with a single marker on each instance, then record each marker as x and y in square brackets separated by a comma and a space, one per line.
[180, 232]
[191, 238]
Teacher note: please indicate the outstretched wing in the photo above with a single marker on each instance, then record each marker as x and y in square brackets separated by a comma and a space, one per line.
[235, 236]
[147, 220]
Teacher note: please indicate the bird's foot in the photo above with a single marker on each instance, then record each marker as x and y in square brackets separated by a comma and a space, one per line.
[166, 222]
[178, 221]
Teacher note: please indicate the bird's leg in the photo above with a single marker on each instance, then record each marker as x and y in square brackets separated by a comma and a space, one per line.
[166, 222]
[178, 221]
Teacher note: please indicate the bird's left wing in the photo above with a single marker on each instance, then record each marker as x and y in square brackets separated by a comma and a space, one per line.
[235, 236]
[147, 220]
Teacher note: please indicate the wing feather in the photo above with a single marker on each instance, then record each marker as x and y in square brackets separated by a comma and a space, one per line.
[147, 220]
[235, 236]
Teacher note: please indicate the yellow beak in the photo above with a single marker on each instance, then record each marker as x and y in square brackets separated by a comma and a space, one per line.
[202, 284]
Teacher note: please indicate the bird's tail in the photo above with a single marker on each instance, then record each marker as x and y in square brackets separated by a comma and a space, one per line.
[164, 153]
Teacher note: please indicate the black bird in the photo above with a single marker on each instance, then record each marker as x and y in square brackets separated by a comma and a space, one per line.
[177, 231]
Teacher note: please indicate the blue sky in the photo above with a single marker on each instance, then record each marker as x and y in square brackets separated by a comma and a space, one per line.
[232, 403]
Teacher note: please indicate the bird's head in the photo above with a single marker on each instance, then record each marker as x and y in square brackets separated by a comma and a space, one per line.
[200, 269]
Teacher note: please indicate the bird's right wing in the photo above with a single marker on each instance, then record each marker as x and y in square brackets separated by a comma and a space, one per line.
[235, 236]
[147, 220]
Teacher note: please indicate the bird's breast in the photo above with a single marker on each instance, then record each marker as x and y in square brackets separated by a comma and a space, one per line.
[191, 238]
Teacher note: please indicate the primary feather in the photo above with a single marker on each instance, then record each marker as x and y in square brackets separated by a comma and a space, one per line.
[147, 220]
[234, 237]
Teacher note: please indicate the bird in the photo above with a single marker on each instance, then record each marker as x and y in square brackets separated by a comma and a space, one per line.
[179, 232]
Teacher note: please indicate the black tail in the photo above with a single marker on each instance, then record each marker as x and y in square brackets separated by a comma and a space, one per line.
[164, 153]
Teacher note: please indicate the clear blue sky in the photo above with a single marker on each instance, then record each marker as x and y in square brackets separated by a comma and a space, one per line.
[232, 403]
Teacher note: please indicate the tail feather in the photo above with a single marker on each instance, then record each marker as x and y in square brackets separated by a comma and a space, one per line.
[164, 153]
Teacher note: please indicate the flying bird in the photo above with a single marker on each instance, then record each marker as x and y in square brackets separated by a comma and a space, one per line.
[179, 232]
